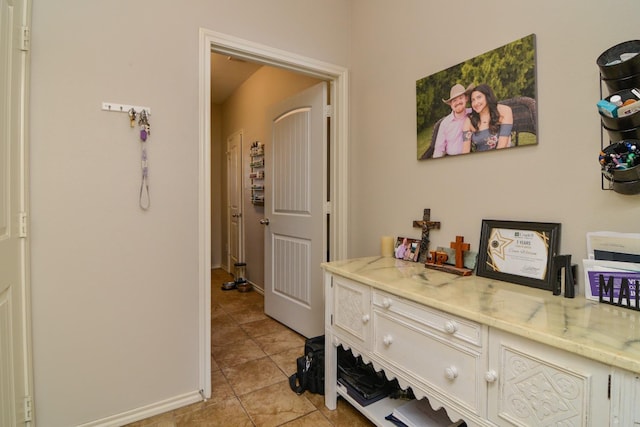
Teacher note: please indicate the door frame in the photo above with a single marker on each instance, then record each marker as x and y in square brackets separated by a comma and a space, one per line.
[19, 350]
[337, 175]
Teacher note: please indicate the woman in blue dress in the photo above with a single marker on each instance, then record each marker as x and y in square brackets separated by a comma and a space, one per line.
[489, 124]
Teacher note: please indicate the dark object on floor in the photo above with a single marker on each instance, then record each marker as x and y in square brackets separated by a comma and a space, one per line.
[310, 368]
[239, 272]
[361, 380]
[228, 286]
[244, 286]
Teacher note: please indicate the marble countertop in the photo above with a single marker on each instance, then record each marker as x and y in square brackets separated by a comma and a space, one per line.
[601, 332]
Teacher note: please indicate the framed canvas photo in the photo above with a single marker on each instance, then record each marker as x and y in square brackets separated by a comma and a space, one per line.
[407, 249]
[486, 103]
[518, 252]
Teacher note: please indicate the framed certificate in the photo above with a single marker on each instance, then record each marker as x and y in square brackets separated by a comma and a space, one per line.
[518, 252]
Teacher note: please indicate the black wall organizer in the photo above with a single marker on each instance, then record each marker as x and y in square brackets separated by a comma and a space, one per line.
[620, 156]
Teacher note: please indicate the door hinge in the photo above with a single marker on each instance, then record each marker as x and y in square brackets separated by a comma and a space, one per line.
[28, 409]
[609, 388]
[24, 38]
[327, 208]
[328, 110]
[22, 224]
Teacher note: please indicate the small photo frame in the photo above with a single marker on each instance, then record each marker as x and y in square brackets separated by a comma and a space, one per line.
[407, 249]
[518, 252]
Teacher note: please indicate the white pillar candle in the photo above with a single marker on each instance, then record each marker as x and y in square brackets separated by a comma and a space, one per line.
[386, 246]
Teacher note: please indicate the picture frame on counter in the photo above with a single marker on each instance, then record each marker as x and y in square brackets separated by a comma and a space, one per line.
[407, 248]
[519, 252]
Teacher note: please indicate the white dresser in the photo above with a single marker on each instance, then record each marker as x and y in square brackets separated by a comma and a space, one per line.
[489, 352]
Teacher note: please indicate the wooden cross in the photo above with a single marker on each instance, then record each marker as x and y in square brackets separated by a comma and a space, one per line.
[426, 224]
[460, 248]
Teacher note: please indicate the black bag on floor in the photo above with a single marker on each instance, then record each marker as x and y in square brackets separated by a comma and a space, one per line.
[310, 368]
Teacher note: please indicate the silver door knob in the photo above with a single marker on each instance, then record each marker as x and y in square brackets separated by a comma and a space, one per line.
[264, 221]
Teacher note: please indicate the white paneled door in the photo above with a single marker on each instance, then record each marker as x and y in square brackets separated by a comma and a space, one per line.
[15, 337]
[234, 196]
[295, 220]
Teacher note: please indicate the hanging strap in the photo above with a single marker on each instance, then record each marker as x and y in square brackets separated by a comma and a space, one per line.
[145, 131]
[298, 382]
[145, 198]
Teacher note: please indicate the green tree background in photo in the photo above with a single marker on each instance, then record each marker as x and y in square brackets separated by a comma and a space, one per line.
[509, 70]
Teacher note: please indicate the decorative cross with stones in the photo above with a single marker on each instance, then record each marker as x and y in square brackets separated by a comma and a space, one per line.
[426, 224]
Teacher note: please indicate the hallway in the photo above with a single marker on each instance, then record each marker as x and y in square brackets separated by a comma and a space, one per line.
[252, 357]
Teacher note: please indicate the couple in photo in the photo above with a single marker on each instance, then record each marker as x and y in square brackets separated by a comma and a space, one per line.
[485, 126]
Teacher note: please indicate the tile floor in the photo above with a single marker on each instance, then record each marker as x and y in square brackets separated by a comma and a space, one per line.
[252, 357]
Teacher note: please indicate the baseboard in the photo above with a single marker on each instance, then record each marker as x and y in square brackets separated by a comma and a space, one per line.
[146, 411]
[257, 289]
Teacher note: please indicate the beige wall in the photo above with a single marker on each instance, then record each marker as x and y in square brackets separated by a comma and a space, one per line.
[396, 43]
[246, 110]
[115, 289]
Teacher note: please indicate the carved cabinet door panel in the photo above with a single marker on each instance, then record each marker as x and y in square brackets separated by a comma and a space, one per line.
[531, 384]
[352, 312]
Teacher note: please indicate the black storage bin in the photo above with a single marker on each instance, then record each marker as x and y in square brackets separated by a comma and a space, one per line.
[625, 187]
[616, 135]
[613, 67]
[623, 181]
[624, 122]
[628, 82]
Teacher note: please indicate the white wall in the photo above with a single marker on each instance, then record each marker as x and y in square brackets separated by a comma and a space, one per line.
[115, 289]
[397, 43]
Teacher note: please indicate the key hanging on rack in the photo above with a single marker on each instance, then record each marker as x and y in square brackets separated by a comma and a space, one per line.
[132, 116]
[145, 131]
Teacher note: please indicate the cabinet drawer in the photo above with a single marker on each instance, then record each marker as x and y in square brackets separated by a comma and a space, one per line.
[451, 369]
[351, 310]
[442, 323]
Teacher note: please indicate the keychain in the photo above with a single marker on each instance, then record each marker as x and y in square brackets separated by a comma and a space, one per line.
[132, 117]
[145, 131]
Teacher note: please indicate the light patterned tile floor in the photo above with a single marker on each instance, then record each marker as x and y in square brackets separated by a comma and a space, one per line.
[252, 357]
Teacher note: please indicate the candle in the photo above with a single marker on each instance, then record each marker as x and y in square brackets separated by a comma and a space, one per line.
[386, 246]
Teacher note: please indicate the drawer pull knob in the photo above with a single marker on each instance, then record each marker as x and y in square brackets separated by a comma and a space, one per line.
[386, 302]
[491, 376]
[387, 340]
[451, 373]
[365, 318]
[451, 327]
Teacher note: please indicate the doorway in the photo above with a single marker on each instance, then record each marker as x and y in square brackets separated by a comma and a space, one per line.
[337, 174]
[239, 106]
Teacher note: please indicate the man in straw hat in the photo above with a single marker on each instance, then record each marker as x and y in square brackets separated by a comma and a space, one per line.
[449, 138]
